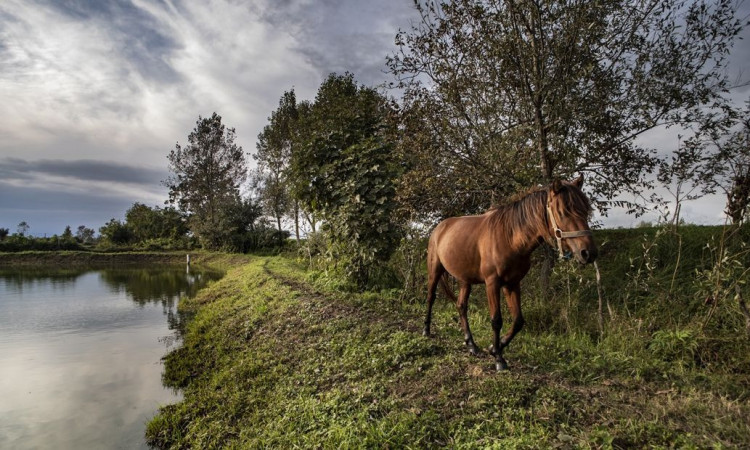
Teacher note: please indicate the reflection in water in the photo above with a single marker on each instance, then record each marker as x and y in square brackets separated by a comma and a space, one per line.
[18, 279]
[155, 286]
[80, 353]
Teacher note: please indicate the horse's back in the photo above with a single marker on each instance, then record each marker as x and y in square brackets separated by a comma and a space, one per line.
[454, 243]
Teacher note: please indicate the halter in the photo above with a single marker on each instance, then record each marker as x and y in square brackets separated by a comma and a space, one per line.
[560, 234]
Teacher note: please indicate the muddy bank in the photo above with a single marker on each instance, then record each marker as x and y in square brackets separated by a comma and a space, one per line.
[65, 258]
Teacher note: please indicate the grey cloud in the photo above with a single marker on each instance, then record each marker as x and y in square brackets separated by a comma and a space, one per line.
[85, 170]
[343, 35]
[33, 198]
[137, 33]
[48, 211]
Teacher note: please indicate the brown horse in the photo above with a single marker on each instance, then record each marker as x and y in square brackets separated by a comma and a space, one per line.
[495, 249]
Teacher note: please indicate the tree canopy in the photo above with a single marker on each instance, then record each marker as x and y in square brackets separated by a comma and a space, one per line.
[274, 152]
[205, 179]
[345, 170]
[503, 94]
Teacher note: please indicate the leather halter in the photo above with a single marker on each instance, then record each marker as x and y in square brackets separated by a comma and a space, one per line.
[560, 234]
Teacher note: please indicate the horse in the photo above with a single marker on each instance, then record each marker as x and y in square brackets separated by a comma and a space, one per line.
[495, 249]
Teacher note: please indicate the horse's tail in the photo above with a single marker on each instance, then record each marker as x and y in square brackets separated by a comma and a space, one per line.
[447, 289]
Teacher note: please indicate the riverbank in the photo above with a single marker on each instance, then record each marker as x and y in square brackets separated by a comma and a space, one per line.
[81, 258]
[274, 359]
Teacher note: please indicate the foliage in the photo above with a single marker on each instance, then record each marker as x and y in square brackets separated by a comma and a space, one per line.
[4, 233]
[84, 235]
[721, 282]
[250, 231]
[507, 94]
[275, 147]
[205, 180]
[345, 170]
[23, 228]
[155, 223]
[67, 234]
[726, 161]
[116, 232]
[19, 243]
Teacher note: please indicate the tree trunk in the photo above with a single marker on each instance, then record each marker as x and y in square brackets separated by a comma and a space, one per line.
[296, 219]
[278, 225]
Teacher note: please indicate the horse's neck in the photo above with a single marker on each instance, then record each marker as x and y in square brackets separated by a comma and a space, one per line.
[526, 237]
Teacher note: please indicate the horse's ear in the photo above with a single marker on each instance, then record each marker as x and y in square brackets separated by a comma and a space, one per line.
[556, 186]
[578, 182]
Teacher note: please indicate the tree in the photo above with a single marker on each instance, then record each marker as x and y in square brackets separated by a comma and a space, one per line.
[23, 228]
[504, 94]
[727, 161]
[84, 235]
[67, 234]
[205, 180]
[345, 170]
[116, 232]
[155, 223]
[274, 151]
[250, 230]
[4, 233]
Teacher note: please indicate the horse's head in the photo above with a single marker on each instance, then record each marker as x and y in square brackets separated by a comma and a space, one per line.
[568, 211]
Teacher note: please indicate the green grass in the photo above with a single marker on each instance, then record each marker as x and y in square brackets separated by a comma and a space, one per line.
[275, 357]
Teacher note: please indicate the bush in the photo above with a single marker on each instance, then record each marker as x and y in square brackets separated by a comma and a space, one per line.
[19, 243]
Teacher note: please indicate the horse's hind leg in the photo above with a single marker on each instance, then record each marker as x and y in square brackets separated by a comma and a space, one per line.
[513, 297]
[463, 313]
[436, 272]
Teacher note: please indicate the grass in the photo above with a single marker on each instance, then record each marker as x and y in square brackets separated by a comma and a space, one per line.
[274, 357]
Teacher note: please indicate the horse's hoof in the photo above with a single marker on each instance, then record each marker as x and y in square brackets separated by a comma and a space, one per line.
[491, 350]
[501, 365]
[426, 332]
[474, 350]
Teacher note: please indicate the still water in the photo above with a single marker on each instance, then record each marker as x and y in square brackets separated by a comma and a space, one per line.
[80, 353]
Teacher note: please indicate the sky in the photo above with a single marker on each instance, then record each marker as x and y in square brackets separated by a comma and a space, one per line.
[96, 93]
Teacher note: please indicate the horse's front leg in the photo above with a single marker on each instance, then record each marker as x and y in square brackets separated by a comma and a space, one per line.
[496, 318]
[463, 314]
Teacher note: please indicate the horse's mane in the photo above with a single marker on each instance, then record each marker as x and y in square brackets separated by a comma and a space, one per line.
[522, 216]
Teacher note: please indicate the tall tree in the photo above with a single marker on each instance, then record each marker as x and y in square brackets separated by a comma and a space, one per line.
[345, 170]
[508, 93]
[274, 151]
[205, 180]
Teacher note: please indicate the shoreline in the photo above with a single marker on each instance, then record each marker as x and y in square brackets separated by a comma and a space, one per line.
[83, 258]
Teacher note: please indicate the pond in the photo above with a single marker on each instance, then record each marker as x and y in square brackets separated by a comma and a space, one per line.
[80, 353]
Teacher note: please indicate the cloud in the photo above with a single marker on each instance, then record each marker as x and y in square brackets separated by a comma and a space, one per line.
[50, 194]
[80, 171]
[341, 35]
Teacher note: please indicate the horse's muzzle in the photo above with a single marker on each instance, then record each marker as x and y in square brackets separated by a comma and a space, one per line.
[587, 256]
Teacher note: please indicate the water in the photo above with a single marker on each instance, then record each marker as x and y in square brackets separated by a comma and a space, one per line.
[80, 353]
